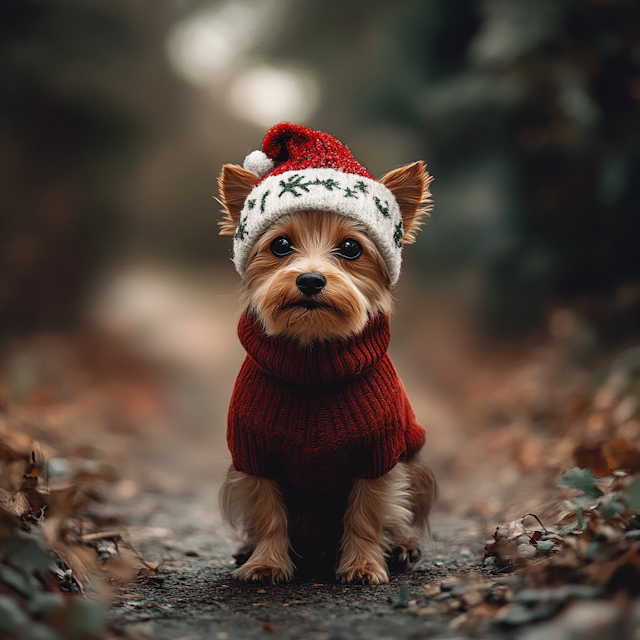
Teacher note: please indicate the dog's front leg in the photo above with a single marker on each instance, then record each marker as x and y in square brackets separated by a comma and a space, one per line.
[373, 506]
[258, 504]
[361, 556]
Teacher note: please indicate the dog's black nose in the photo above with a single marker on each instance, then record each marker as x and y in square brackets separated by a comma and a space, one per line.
[311, 283]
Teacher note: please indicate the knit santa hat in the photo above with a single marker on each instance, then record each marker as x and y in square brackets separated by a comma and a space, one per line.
[305, 170]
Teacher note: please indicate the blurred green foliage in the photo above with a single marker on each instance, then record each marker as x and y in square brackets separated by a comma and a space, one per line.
[31, 605]
[528, 114]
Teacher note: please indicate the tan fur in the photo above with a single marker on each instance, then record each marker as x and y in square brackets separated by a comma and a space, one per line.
[424, 492]
[384, 517]
[410, 187]
[234, 185]
[375, 507]
[356, 289]
[256, 505]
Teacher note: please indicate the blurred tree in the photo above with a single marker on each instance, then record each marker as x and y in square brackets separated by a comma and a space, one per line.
[528, 112]
[61, 141]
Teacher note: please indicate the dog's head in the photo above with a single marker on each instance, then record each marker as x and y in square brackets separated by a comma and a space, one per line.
[317, 273]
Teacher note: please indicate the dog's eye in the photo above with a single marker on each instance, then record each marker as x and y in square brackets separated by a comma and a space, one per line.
[281, 247]
[350, 249]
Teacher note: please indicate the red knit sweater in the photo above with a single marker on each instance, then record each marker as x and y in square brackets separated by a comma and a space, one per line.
[317, 417]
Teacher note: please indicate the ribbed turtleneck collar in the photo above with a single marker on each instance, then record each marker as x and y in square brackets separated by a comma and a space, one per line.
[321, 363]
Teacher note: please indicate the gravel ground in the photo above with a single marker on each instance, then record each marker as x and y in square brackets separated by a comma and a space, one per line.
[194, 596]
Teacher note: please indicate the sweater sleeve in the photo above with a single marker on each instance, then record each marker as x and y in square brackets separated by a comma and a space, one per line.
[384, 451]
[400, 439]
[249, 451]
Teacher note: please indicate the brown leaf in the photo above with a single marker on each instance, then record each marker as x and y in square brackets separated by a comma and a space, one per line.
[510, 531]
[101, 535]
[7, 454]
[505, 538]
[62, 502]
[622, 455]
[590, 456]
[626, 577]
[431, 590]
[485, 610]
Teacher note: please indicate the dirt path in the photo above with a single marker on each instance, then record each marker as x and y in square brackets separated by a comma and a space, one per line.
[168, 497]
[194, 595]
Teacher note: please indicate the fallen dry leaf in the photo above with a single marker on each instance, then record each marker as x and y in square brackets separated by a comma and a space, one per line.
[590, 456]
[622, 455]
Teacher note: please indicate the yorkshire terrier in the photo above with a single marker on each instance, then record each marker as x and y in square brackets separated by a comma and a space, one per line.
[324, 443]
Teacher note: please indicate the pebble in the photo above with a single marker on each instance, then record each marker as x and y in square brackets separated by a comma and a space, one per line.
[526, 551]
[58, 467]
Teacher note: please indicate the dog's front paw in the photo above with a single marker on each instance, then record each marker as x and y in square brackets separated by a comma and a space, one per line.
[367, 572]
[406, 552]
[242, 555]
[263, 572]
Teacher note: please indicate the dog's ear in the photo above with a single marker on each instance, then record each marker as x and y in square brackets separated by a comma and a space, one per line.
[410, 187]
[234, 185]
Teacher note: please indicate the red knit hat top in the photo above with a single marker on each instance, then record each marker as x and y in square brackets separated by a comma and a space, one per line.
[305, 170]
[293, 147]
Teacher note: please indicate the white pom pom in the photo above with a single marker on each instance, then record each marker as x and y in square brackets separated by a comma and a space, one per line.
[258, 162]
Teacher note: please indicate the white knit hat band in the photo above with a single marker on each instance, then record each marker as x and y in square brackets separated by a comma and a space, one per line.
[362, 199]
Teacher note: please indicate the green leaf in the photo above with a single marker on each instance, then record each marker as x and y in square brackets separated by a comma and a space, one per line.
[403, 596]
[43, 604]
[580, 518]
[18, 582]
[30, 557]
[544, 546]
[569, 528]
[611, 508]
[87, 617]
[632, 495]
[12, 617]
[518, 614]
[581, 480]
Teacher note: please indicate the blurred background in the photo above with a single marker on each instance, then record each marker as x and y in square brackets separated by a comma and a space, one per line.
[116, 116]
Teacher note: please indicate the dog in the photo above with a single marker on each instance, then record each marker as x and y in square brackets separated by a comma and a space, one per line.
[325, 446]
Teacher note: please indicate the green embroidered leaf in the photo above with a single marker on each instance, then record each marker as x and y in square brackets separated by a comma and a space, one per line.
[241, 230]
[383, 209]
[295, 185]
[251, 204]
[360, 185]
[398, 234]
[292, 184]
[349, 193]
[330, 184]
[263, 200]
[581, 480]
